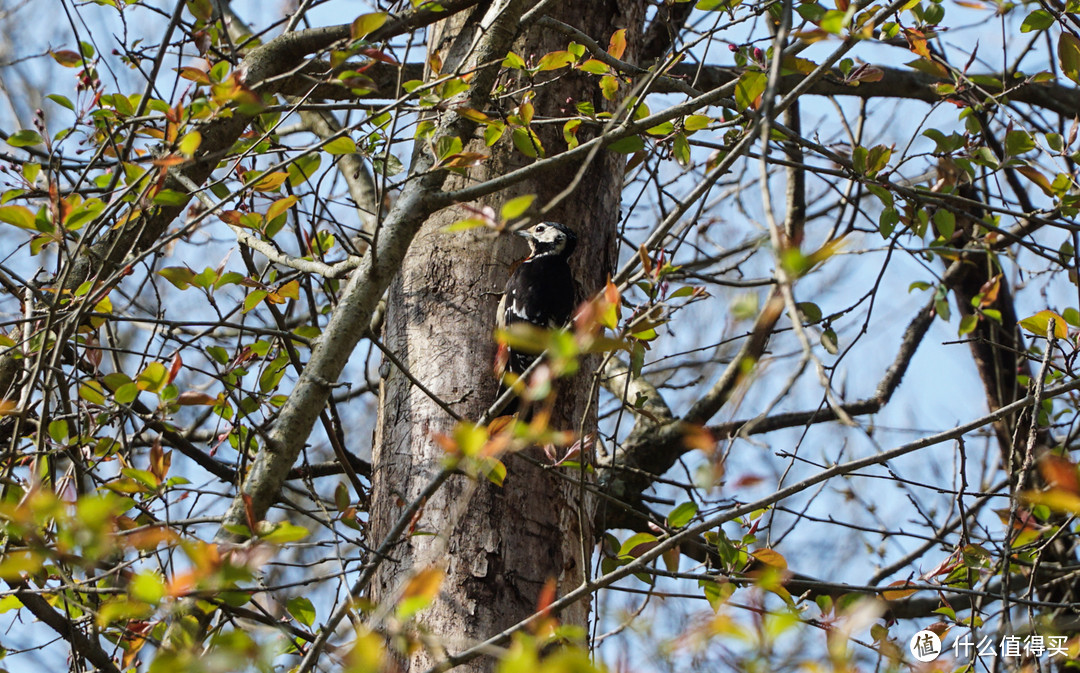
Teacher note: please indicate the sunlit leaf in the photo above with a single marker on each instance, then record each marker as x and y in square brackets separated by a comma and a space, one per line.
[341, 145]
[283, 533]
[24, 138]
[637, 544]
[555, 60]
[153, 378]
[1040, 322]
[419, 592]
[268, 182]
[516, 207]
[302, 609]
[749, 88]
[67, 58]
[19, 216]
[1069, 55]
[682, 514]
[617, 45]
[365, 24]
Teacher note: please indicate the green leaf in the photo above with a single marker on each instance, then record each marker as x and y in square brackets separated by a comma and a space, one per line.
[627, 145]
[365, 24]
[945, 222]
[967, 324]
[1018, 142]
[696, 122]
[661, 129]
[527, 142]
[682, 515]
[829, 342]
[92, 392]
[1038, 20]
[680, 149]
[609, 86]
[749, 88]
[284, 533]
[516, 207]
[170, 197]
[126, 393]
[303, 169]
[153, 378]
[9, 603]
[877, 159]
[189, 143]
[62, 101]
[1072, 316]
[834, 21]
[636, 545]
[524, 337]
[19, 216]
[302, 609]
[463, 225]
[1068, 56]
[447, 146]
[513, 61]
[594, 67]
[147, 586]
[556, 60]
[715, 5]
[809, 311]
[24, 138]
[470, 438]
[342, 145]
[58, 431]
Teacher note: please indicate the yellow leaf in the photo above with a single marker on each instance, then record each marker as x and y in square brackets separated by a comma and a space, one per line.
[14, 564]
[555, 60]
[617, 46]
[290, 290]
[280, 206]
[269, 182]
[19, 216]
[1058, 499]
[419, 592]
[1039, 323]
[771, 558]
[189, 143]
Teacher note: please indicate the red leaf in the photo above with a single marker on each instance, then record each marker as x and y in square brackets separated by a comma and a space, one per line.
[174, 367]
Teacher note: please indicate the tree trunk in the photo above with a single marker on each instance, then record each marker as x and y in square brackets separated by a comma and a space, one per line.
[497, 545]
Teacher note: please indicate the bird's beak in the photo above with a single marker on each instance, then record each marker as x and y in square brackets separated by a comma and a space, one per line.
[524, 233]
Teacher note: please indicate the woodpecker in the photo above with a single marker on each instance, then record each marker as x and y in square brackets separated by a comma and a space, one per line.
[540, 290]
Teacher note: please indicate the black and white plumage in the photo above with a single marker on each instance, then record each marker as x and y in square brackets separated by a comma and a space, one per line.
[541, 290]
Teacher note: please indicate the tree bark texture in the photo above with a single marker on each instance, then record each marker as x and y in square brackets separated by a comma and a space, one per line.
[497, 545]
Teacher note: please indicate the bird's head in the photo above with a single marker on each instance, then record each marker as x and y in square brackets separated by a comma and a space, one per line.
[549, 238]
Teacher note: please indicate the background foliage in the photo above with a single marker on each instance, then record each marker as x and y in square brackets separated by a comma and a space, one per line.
[203, 204]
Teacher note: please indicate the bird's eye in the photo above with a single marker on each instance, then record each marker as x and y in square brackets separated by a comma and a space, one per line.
[540, 228]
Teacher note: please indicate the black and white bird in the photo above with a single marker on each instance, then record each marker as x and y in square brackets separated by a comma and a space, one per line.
[540, 291]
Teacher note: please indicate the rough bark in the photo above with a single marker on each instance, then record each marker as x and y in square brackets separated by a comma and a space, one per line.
[498, 545]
